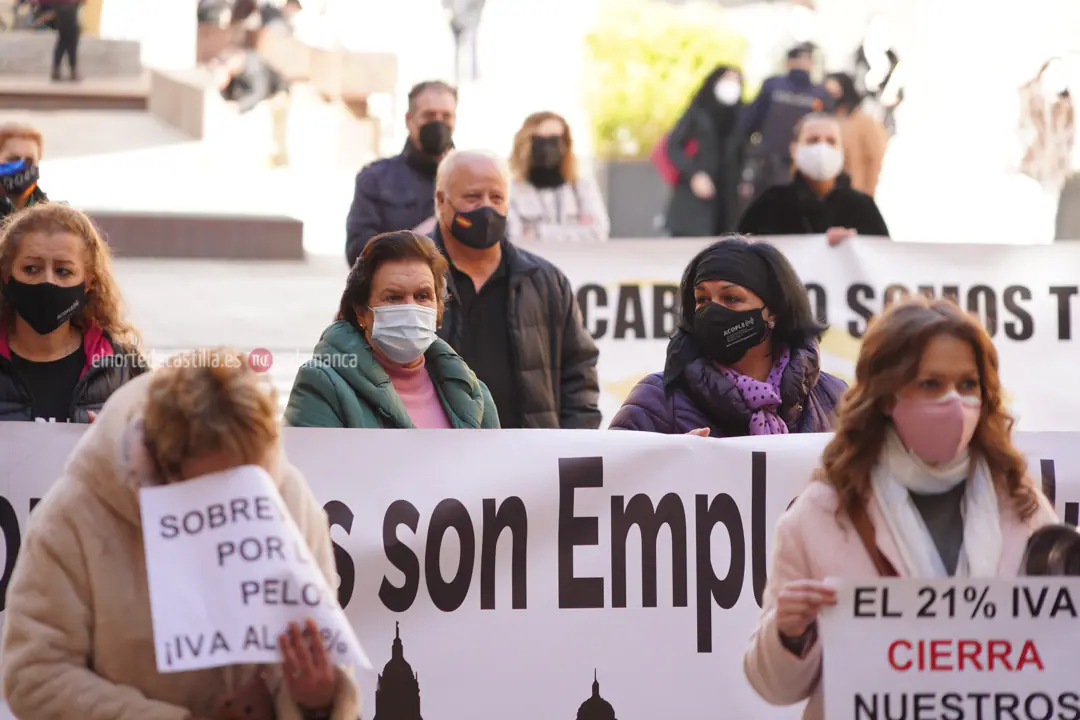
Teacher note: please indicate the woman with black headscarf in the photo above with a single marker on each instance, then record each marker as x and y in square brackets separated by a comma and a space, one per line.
[863, 135]
[703, 201]
[744, 358]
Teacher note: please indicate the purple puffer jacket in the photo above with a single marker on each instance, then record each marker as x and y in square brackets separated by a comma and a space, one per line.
[703, 397]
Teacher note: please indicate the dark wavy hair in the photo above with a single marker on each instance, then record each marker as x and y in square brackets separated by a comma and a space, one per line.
[397, 245]
[796, 324]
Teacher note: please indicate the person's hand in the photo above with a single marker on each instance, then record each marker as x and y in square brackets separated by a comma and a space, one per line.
[309, 675]
[425, 227]
[837, 235]
[702, 186]
[798, 605]
[252, 701]
[700, 432]
[92, 415]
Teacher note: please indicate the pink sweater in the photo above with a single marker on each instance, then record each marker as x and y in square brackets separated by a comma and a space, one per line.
[417, 392]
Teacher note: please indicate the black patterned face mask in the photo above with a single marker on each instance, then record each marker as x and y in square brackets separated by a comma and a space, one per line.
[18, 177]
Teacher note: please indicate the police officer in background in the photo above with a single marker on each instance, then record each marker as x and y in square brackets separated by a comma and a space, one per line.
[781, 103]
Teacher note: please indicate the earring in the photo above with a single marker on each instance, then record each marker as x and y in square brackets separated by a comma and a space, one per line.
[772, 324]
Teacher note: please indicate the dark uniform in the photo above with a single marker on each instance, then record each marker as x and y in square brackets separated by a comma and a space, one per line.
[782, 102]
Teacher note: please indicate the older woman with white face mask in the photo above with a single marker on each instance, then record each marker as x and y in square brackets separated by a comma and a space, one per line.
[381, 365]
[819, 200]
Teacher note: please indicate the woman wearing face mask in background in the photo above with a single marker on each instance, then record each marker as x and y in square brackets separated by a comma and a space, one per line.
[65, 345]
[550, 200]
[921, 480]
[703, 200]
[381, 365]
[744, 359]
[819, 199]
[864, 136]
[20, 154]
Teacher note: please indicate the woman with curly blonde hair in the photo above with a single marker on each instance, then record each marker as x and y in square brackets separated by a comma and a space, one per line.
[921, 480]
[65, 345]
[78, 637]
[550, 199]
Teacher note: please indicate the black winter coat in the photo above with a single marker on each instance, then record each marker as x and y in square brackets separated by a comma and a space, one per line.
[793, 209]
[108, 367]
[554, 355]
[688, 215]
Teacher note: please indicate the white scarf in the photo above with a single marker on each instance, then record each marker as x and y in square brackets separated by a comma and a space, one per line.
[899, 472]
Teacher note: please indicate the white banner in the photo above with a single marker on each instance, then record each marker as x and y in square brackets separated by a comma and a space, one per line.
[948, 648]
[505, 568]
[229, 570]
[1026, 296]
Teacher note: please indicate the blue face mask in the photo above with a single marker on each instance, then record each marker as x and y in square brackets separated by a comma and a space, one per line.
[18, 176]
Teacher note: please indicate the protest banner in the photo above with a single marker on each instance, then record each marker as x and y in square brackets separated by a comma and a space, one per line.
[911, 649]
[228, 570]
[503, 568]
[1028, 298]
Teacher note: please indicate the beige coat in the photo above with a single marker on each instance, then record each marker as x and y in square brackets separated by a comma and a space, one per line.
[78, 640]
[811, 545]
[864, 139]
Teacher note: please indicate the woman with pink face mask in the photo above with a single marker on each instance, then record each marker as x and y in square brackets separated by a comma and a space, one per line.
[921, 480]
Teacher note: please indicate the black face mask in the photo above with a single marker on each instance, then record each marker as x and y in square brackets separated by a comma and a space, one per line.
[435, 138]
[18, 182]
[44, 306]
[547, 152]
[725, 335]
[480, 229]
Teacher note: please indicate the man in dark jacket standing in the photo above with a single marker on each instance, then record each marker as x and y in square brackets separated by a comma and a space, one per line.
[782, 101]
[397, 193]
[66, 20]
[511, 315]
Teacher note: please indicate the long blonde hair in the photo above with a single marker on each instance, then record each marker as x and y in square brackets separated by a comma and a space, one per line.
[888, 360]
[105, 307]
[521, 155]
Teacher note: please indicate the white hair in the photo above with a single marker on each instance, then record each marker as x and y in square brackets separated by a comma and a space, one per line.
[455, 158]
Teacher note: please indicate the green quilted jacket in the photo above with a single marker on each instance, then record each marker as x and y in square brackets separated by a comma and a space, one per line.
[334, 390]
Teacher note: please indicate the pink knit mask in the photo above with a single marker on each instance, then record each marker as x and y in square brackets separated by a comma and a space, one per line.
[937, 430]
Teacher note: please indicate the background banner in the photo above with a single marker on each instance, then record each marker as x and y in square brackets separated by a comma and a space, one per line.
[1026, 296]
[540, 574]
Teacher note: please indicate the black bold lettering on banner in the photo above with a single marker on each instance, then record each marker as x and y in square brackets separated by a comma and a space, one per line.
[339, 514]
[857, 294]
[630, 315]
[819, 300]
[400, 599]
[511, 515]
[1064, 295]
[574, 473]
[1024, 326]
[669, 511]
[9, 523]
[449, 514]
[721, 511]
[982, 301]
[583, 294]
[894, 293]
[664, 301]
[759, 497]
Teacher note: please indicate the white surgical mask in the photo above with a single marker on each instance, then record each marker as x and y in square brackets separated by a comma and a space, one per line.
[819, 161]
[403, 332]
[728, 92]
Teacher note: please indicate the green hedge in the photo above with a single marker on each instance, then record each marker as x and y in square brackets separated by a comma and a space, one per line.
[644, 62]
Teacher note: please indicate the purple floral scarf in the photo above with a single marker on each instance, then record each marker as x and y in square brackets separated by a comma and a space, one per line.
[763, 398]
